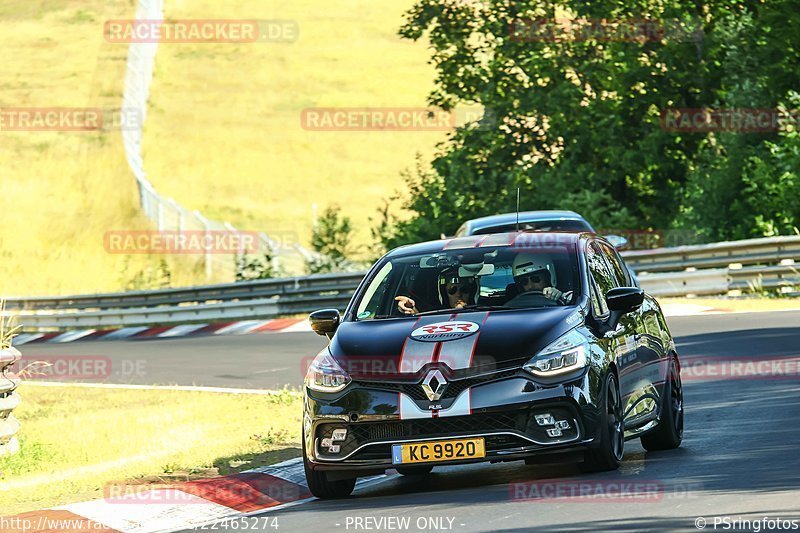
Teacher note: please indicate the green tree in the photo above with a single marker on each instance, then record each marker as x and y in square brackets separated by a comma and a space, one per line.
[256, 266]
[331, 239]
[577, 122]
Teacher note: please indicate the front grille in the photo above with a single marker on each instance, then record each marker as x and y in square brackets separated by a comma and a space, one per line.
[521, 422]
[434, 427]
[453, 389]
[364, 432]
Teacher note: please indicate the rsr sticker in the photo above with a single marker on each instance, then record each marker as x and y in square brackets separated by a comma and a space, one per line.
[445, 331]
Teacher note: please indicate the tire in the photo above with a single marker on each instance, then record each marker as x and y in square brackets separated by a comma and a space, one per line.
[423, 470]
[669, 432]
[608, 455]
[321, 487]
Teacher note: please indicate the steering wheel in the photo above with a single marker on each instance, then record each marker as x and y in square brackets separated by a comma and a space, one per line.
[532, 298]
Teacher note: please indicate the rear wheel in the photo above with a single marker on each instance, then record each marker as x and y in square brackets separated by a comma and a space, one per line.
[669, 433]
[321, 487]
[414, 470]
[608, 455]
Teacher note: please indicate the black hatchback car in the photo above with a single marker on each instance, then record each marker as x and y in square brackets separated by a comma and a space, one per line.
[493, 348]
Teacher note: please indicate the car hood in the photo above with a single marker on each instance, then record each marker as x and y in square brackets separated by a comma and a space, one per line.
[460, 343]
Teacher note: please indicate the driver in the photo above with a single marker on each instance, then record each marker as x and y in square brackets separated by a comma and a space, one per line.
[536, 274]
[454, 291]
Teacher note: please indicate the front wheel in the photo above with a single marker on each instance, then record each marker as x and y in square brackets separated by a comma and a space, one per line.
[669, 432]
[321, 487]
[608, 455]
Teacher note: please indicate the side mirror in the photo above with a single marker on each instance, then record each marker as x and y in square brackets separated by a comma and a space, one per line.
[324, 321]
[624, 299]
[617, 241]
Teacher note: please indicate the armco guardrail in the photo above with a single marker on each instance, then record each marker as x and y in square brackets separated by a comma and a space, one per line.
[767, 250]
[244, 290]
[9, 399]
[230, 301]
[280, 297]
[700, 282]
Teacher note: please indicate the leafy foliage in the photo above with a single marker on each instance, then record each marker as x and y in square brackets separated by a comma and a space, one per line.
[256, 266]
[577, 122]
[331, 239]
[154, 275]
[8, 329]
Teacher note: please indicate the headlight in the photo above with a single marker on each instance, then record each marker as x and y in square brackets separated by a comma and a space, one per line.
[325, 374]
[566, 354]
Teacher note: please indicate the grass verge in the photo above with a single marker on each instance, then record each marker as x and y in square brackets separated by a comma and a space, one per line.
[223, 133]
[74, 441]
[63, 190]
[230, 115]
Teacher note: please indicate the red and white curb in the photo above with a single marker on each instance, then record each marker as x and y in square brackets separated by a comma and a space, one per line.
[242, 327]
[181, 505]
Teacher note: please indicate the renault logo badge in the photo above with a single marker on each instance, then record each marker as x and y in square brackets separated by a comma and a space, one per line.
[434, 385]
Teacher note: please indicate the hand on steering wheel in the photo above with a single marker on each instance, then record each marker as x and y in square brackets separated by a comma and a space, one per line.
[553, 293]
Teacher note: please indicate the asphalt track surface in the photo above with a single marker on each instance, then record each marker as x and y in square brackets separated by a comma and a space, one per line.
[739, 459]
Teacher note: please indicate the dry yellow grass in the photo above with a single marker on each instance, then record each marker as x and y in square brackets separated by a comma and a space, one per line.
[74, 441]
[62, 191]
[223, 134]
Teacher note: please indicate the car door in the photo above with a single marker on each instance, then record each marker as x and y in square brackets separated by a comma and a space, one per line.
[643, 368]
[621, 340]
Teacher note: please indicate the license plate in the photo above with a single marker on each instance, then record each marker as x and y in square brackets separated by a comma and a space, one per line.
[440, 450]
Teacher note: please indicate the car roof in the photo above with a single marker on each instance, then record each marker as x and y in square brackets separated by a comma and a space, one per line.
[520, 238]
[524, 216]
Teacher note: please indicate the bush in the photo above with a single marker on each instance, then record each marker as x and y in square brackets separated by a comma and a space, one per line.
[331, 240]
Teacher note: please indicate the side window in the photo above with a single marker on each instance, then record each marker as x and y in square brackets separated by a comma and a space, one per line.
[370, 303]
[617, 267]
[604, 280]
[597, 308]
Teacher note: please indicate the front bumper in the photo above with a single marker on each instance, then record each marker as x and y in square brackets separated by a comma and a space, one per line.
[503, 411]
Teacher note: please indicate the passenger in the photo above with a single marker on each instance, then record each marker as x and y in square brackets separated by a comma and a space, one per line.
[454, 292]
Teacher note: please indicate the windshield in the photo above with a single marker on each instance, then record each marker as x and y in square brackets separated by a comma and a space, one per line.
[476, 278]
